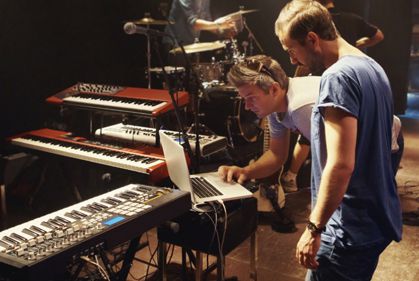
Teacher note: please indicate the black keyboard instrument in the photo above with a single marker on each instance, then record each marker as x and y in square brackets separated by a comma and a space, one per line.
[42, 247]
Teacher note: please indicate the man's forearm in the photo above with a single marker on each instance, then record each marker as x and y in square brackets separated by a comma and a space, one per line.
[369, 42]
[340, 132]
[201, 24]
[333, 186]
[265, 166]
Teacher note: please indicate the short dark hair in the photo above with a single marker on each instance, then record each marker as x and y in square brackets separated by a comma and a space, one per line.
[299, 17]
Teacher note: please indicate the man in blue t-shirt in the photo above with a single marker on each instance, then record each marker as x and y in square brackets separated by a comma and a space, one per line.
[355, 206]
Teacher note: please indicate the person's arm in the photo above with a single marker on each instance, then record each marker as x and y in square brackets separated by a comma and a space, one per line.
[340, 135]
[266, 165]
[370, 41]
[201, 24]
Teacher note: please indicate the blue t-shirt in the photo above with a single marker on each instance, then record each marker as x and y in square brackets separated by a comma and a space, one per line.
[370, 210]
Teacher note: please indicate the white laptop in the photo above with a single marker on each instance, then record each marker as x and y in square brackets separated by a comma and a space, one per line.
[210, 186]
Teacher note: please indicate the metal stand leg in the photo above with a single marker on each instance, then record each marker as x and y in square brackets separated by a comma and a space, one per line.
[162, 261]
[129, 256]
[147, 15]
[148, 60]
[198, 266]
[253, 256]
[184, 277]
[41, 182]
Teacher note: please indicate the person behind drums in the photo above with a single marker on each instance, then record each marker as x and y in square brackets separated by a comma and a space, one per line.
[188, 17]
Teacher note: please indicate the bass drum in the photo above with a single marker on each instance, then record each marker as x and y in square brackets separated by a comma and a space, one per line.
[223, 112]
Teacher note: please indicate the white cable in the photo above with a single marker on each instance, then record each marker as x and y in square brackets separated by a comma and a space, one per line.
[215, 233]
[225, 224]
[104, 273]
[99, 267]
[220, 253]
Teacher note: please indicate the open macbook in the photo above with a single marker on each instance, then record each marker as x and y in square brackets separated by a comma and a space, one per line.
[205, 187]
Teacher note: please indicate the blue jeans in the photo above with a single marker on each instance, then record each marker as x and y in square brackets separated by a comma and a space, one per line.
[338, 264]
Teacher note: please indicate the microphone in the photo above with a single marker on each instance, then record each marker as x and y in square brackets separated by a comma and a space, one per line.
[132, 28]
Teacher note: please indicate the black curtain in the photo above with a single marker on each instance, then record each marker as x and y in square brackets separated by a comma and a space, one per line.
[395, 20]
[49, 45]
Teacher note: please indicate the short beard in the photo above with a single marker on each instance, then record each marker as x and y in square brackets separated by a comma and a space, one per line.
[315, 64]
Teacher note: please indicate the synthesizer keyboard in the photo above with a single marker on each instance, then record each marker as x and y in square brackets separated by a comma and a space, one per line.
[47, 244]
[208, 144]
[138, 101]
[143, 159]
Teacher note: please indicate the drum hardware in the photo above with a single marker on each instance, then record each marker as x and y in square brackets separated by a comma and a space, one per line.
[236, 56]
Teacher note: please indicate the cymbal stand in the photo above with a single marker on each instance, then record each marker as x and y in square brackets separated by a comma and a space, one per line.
[148, 59]
[252, 39]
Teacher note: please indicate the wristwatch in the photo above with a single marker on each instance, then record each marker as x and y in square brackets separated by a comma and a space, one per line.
[314, 229]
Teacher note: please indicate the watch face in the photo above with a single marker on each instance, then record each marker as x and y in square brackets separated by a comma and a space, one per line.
[313, 228]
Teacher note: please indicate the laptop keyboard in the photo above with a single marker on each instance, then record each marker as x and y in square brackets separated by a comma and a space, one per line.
[202, 188]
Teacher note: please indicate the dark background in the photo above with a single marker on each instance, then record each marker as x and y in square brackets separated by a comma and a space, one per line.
[48, 45]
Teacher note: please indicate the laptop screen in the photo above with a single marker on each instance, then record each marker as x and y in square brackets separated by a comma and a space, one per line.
[176, 162]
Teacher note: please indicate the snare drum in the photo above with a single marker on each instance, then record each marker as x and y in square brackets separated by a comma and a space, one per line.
[176, 76]
[225, 114]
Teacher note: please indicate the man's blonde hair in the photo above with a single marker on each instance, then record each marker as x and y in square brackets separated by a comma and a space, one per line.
[259, 70]
[299, 17]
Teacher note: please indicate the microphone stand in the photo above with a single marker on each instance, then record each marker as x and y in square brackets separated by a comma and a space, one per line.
[148, 53]
[172, 92]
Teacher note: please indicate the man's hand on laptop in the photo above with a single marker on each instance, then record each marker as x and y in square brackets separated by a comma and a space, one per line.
[230, 173]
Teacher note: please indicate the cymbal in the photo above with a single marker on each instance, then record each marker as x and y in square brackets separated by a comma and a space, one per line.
[236, 14]
[200, 47]
[150, 21]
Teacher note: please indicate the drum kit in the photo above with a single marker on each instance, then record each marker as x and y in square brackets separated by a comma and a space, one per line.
[224, 111]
